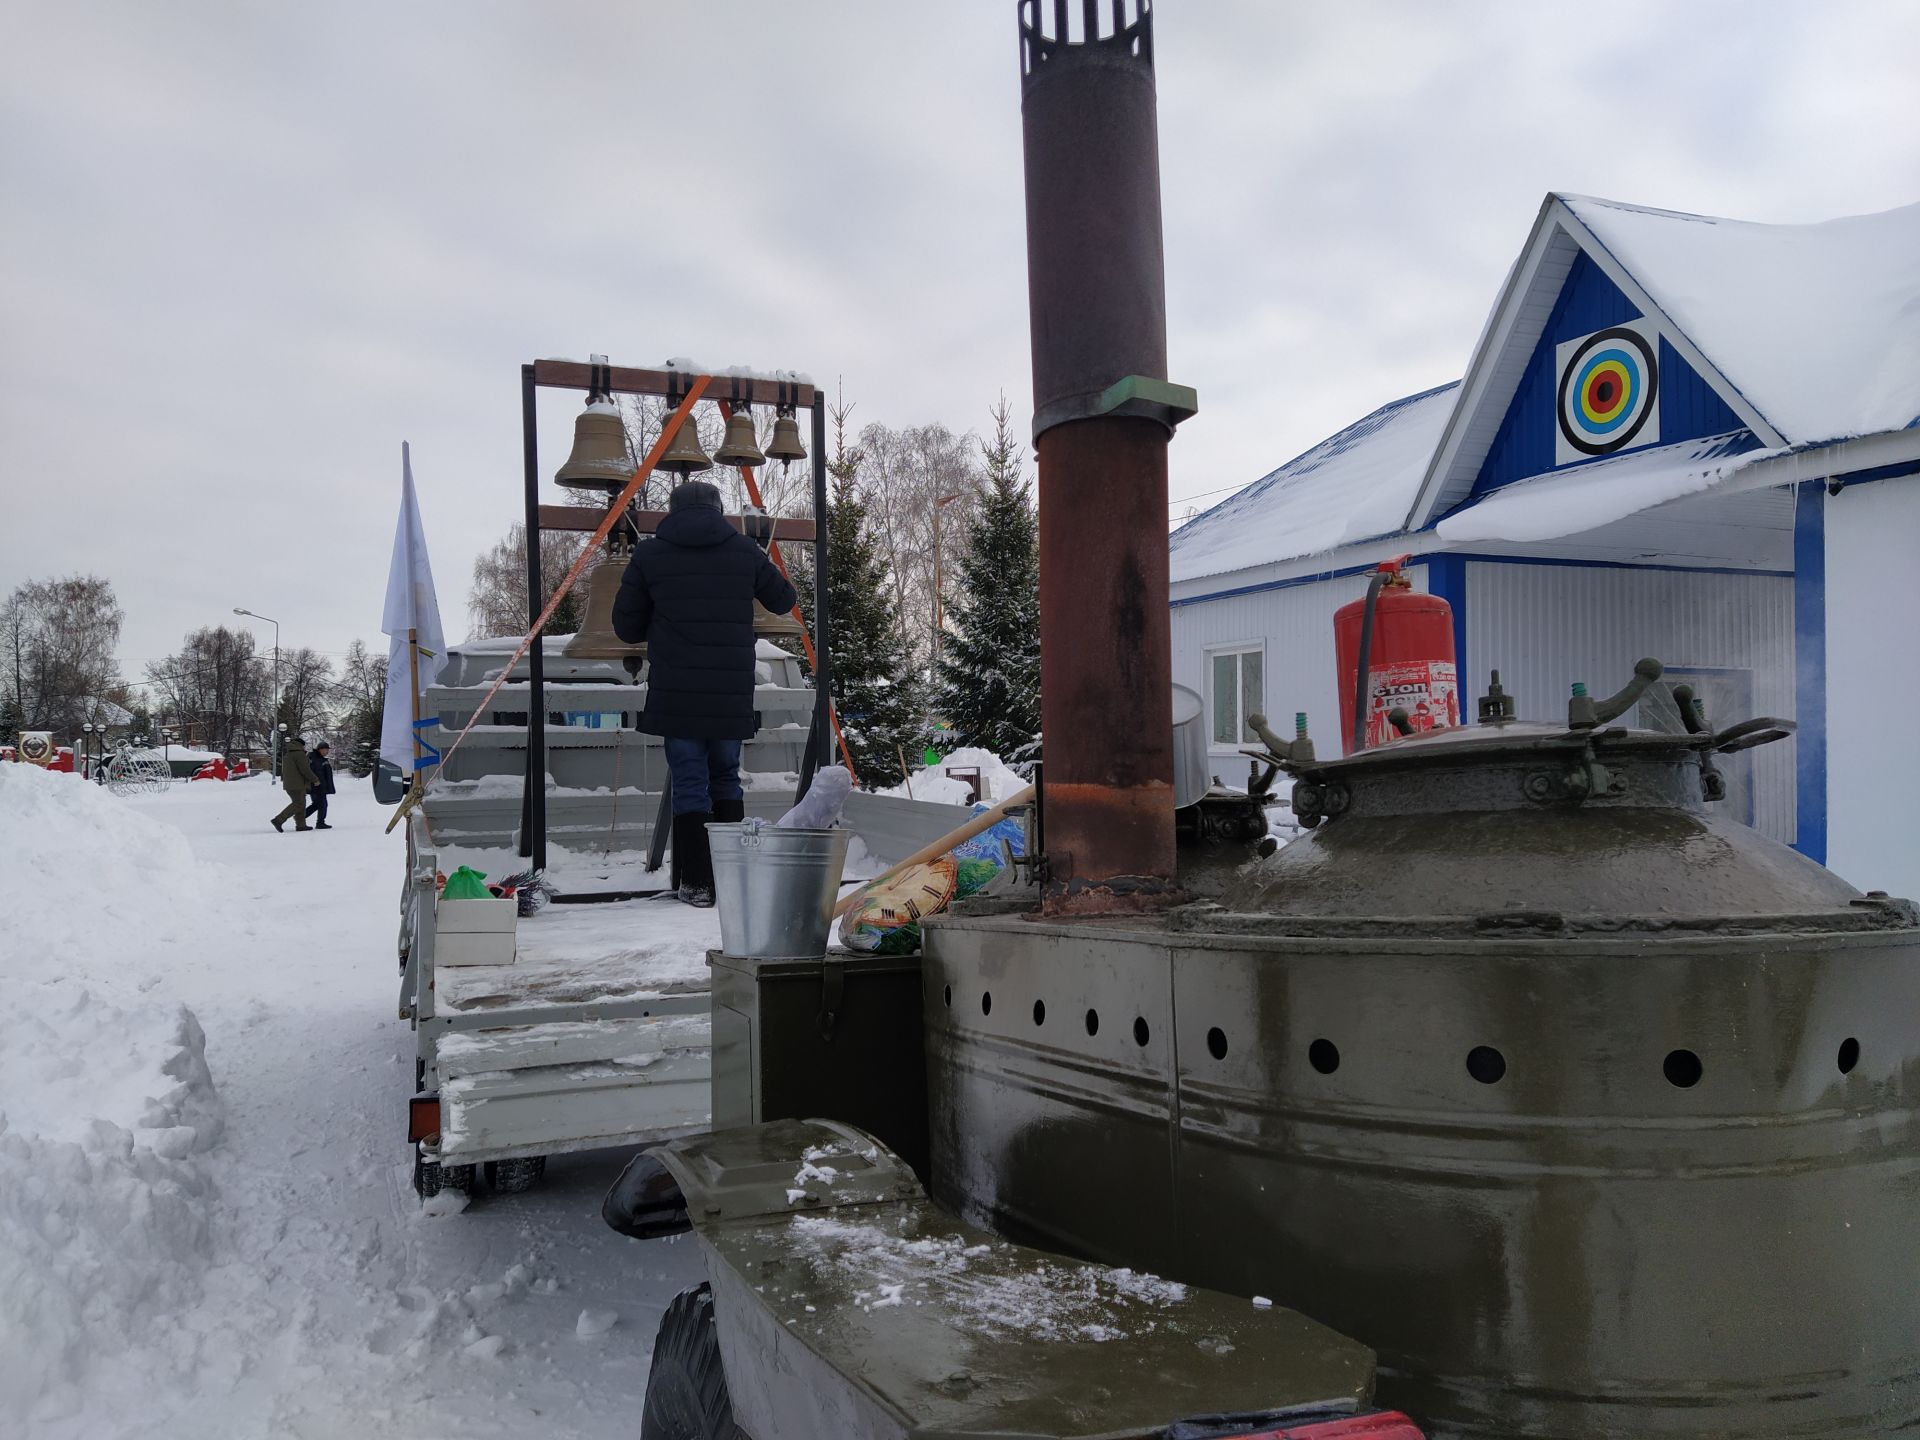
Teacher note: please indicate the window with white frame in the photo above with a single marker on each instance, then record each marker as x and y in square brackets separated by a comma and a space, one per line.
[1236, 688]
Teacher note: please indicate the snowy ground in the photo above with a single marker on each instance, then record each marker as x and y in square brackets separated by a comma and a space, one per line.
[228, 1247]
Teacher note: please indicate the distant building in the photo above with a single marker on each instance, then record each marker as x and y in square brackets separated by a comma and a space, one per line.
[1683, 437]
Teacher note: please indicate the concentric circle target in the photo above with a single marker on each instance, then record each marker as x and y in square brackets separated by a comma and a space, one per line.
[1606, 391]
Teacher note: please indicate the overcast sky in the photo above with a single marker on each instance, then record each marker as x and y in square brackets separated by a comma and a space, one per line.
[247, 249]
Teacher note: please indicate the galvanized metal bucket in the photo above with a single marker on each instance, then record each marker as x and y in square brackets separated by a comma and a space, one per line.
[776, 888]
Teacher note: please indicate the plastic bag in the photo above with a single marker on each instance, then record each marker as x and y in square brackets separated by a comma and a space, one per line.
[820, 807]
[466, 883]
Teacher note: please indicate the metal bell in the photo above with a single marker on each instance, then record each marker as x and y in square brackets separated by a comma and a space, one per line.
[595, 639]
[740, 447]
[685, 456]
[768, 625]
[599, 459]
[785, 444]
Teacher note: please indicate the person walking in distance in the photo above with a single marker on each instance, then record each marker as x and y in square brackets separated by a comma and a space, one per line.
[296, 774]
[321, 759]
[688, 593]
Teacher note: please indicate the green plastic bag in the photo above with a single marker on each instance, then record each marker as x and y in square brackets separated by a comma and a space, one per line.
[466, 883]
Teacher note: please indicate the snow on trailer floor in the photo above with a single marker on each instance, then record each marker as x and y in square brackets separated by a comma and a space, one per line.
[205, 1221]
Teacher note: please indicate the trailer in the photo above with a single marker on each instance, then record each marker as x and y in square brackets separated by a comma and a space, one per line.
[591, 1038]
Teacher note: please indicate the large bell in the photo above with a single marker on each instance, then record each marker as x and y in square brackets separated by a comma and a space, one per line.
[785, 444]
[768, 625]
[599, 459]
[595, 639]
[740, 447]
[684, 455]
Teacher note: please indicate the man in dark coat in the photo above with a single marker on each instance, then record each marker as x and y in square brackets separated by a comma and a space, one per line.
[321, 758]
[688, 594]
[296, 775]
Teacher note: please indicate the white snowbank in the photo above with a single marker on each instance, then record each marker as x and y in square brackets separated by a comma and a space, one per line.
[106, 1104]
[998, 779]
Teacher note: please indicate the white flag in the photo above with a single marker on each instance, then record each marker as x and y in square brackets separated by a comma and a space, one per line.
[411, 605]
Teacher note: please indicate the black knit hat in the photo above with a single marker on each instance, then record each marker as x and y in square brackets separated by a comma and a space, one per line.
[690, 494]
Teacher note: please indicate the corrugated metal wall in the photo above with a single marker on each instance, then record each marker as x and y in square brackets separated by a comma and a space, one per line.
[1296, 625]
[1546, 626]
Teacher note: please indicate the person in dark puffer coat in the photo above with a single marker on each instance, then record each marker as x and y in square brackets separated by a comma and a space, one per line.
[688, 593]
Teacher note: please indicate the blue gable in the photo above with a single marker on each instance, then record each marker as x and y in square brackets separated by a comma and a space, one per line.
[1589, 301]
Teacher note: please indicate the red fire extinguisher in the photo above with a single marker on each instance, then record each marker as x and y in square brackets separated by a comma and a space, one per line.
[1395, 652]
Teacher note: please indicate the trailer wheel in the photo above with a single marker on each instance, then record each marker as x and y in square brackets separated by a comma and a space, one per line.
[510, 1177]
[687, 1396]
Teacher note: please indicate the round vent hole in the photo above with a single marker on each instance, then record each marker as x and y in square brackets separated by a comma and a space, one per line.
[1039, 1012]
[1217, 1043]
[948, 993]
[1849, 1055]
[986, 1002]
[1140, 1032]
[1683, 1068]
[1093, 1022]
[1486, 1064]
[1324, 1056]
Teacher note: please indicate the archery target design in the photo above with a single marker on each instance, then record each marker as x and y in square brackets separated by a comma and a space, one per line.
[1608, 397]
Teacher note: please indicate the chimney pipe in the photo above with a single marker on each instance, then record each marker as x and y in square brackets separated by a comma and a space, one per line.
[1103, 413]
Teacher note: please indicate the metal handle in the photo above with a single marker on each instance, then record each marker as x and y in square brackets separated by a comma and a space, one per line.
[1761, 730]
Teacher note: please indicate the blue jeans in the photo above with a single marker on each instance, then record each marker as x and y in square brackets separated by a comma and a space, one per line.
[703, 771]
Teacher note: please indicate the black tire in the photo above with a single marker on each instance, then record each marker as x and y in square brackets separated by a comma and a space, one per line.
[687, 1396]
[510, 1177]
[426, 1175]
[457, 1177]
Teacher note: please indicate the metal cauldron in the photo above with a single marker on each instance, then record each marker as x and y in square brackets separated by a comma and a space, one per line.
[1593, 1113]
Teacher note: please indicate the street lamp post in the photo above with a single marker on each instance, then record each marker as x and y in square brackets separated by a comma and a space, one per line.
[276, 675]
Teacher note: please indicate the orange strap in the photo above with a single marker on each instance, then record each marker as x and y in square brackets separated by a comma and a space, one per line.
[806, 636]
[614, 512]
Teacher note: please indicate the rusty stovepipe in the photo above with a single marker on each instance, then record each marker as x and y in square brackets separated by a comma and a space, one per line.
[1103, 413]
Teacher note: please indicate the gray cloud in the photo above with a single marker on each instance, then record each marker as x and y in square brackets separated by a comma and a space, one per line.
[246, 250]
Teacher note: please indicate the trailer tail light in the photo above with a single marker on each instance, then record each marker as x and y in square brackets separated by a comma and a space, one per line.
[423, 1117]
[1384, 1425]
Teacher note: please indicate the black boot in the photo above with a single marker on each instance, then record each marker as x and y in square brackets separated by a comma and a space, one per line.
[729, 812]
[693, 858]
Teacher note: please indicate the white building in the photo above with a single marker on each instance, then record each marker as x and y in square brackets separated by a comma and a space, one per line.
[1683, 437]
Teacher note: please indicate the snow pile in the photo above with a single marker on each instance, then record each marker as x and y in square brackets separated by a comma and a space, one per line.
[107, 1107]
[998, 780]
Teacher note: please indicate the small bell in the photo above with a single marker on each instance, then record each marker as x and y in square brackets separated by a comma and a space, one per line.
[769, 626]
[599, 459]
[740, 447]
[785, 444]
[595, 639]
[685, 456]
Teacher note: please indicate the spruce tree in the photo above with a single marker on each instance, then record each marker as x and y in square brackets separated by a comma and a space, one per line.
[872, 683]
[989, 674]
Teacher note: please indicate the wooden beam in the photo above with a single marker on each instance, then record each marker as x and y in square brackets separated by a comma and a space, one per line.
[577, 375]
[585, 520]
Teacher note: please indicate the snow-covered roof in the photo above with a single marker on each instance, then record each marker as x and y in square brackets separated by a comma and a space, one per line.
[1351, 487]
[1811, 333]
[1818, 326]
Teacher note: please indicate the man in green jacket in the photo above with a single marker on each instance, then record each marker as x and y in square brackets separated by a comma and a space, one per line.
[296, 775]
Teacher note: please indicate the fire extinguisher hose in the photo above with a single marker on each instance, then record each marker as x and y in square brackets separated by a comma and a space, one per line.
[1361, 675]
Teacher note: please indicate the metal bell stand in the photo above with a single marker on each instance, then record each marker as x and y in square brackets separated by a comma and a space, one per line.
[670, 384]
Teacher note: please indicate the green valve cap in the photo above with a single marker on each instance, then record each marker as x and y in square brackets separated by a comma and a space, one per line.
[1579, 688]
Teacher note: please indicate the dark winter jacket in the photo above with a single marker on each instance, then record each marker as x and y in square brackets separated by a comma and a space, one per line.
[296, 774]
[689, 593]
[322, 773]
